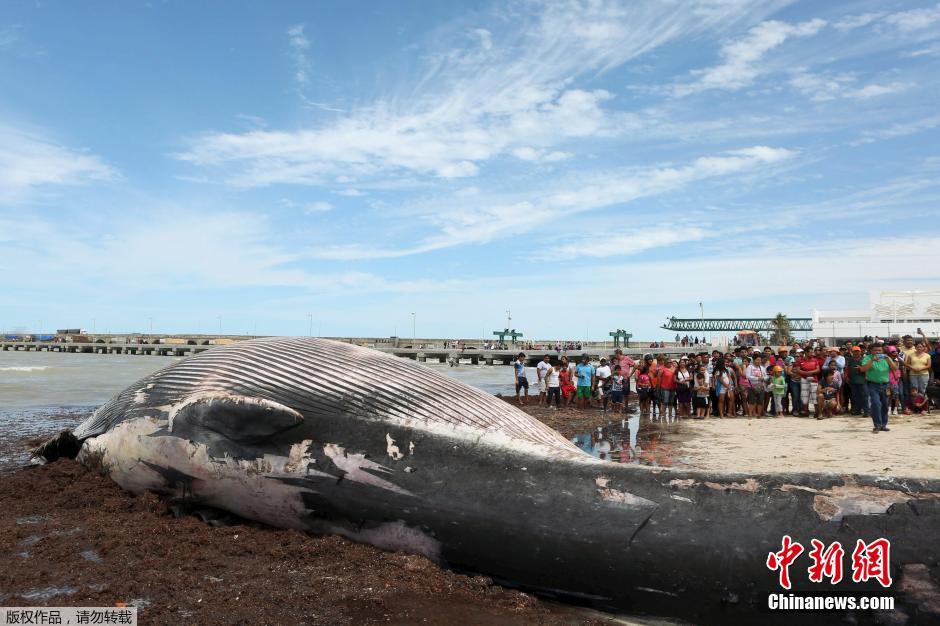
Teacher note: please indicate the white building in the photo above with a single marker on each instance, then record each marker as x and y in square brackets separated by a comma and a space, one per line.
[889, 313]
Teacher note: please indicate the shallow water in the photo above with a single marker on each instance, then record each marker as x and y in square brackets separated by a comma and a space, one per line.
[632, 440]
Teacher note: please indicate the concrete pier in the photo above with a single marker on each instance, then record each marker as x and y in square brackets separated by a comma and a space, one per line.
[422, 355]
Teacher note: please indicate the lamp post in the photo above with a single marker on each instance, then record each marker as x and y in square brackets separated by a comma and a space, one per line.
[220, 324]
[150, 319]
[414, 325]
[310, 329]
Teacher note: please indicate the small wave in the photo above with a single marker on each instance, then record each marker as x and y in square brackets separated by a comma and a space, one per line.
[25, 368]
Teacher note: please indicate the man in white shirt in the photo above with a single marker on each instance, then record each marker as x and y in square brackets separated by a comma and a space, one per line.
[602, 374]
[542, 369]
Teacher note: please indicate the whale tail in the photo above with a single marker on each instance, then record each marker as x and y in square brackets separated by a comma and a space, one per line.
[65, 444]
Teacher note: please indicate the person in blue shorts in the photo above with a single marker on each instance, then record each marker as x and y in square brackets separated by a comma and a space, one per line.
[585, 374]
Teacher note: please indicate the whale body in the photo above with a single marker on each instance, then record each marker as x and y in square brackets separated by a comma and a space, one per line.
[328, 437]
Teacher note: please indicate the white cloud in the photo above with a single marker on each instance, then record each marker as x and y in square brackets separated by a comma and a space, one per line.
[830, 86]
[351, 193]
[244, 252]
[876, 263]
[528, 153]
[29, 161]
[9, 35]
[318, 207]
[874, 90]
[299, 44]
[607, 245]
[922, 52]
[741, 57]
[852, 22]
[480, 218]
[481, 97]
[901, 129]
[914, 19]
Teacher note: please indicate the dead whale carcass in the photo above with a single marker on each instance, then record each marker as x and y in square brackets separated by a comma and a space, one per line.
[329, 437]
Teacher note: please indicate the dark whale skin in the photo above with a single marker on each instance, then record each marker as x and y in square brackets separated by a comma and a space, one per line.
[435, 467]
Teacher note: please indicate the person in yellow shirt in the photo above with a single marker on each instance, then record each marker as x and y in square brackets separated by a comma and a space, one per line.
[917, 365]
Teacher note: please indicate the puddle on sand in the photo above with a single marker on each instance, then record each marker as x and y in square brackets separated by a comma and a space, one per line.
[632, 439]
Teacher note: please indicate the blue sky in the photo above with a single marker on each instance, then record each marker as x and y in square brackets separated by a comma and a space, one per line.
[588, 165]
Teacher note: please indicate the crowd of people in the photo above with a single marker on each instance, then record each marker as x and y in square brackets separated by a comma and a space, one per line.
[872, 377]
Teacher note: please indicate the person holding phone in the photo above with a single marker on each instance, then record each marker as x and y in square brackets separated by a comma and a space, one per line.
[876, 368]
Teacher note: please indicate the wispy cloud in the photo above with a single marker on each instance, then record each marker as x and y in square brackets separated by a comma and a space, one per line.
[318, 207]
[915, 19]
[852, 22]
[616, 245]
[480, 218]
[741, 58]
[29, 161]
[900, 129]
[299, 44]
[830, 86]
[492, 94]
[244, 252]
[9, 35]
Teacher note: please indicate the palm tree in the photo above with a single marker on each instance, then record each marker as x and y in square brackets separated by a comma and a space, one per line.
[781, 330]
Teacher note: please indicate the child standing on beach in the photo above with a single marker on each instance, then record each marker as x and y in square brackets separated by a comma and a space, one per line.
[616, 389]
[778, 387]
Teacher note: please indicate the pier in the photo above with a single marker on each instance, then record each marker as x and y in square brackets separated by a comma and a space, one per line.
[474, 356]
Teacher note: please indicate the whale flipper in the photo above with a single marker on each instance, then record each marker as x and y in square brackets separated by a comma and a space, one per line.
[240, 419]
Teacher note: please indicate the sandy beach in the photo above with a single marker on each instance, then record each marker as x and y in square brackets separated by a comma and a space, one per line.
[843, 445]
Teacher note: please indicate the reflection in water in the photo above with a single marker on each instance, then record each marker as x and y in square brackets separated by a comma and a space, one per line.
[624, 441]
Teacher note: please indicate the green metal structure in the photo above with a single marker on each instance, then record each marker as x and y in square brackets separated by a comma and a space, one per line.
[620, 334]
[757, 324]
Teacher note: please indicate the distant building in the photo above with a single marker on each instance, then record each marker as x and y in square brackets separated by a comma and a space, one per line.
[889, 313]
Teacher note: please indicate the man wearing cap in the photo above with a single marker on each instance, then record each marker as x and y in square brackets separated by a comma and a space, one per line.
[876, 368]
[858, 392]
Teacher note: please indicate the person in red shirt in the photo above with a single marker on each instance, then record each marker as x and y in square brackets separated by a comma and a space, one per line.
[667, 390]
[809, 368]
